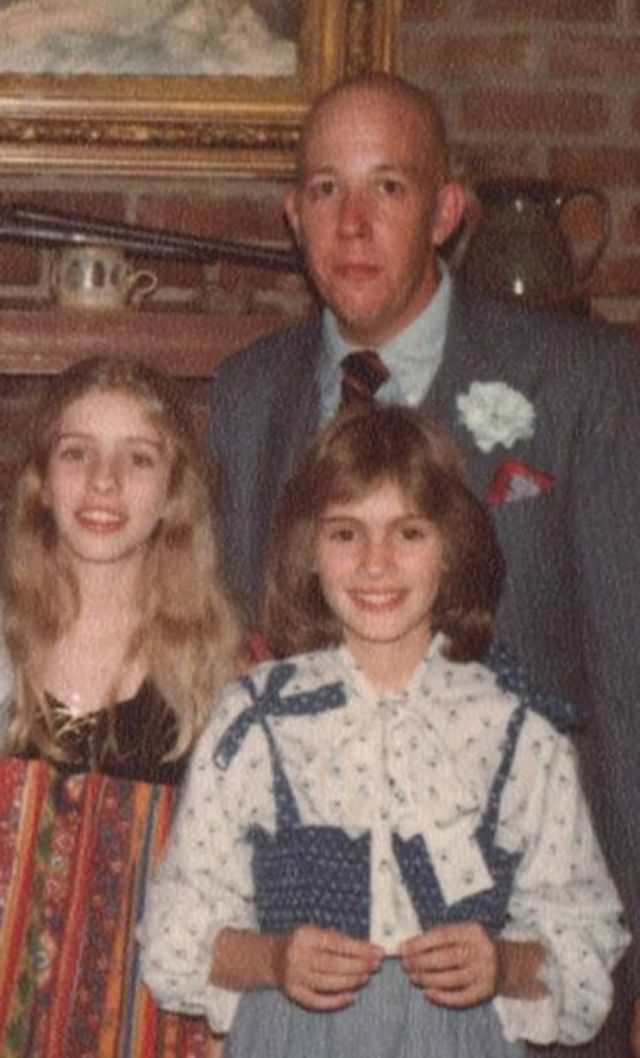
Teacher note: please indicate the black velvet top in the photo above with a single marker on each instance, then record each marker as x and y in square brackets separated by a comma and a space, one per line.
[127, 740]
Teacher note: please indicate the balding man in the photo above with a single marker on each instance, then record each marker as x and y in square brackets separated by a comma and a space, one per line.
[545, 408]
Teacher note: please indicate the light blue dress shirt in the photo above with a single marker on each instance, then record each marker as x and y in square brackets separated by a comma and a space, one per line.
[412, 357]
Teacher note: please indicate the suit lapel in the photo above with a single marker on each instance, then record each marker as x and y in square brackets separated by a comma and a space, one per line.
[294, 411]
[467, 358]
[458, 369]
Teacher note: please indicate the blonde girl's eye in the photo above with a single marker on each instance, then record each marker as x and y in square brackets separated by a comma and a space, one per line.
[343, 534]
[73, 453]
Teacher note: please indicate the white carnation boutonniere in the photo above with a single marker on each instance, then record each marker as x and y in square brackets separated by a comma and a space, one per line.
[496, 414]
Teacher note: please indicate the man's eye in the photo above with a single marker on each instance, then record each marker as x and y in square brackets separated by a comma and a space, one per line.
[322, 189]
[391, 187]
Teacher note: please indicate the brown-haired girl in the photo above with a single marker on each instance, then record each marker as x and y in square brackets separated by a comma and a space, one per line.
[380, 848]
[116, 621]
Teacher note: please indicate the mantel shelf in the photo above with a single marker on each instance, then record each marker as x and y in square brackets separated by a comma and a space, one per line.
[186, 344]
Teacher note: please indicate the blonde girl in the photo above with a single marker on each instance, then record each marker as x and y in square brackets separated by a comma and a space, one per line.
[117, 624]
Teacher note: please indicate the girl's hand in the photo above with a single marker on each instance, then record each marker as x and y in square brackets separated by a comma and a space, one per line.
[322, 968]
[455, 965]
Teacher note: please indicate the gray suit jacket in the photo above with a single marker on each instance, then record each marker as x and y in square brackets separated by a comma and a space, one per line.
[571, 606]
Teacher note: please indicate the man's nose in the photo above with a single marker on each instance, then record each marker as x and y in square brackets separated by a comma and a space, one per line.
[354, 216]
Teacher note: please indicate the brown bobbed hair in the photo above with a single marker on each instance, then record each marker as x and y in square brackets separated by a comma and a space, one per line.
[189, 633]
[360, 449]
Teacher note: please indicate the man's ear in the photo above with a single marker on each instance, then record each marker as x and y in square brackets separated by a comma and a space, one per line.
[292, 212]
[450, 209]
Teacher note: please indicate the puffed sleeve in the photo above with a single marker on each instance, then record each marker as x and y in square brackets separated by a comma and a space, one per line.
[204, 881]
[563, 895]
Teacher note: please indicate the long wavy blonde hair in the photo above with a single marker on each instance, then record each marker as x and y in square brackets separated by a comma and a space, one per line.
[189, 634]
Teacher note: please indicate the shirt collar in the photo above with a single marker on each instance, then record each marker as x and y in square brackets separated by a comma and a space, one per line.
[412, 357]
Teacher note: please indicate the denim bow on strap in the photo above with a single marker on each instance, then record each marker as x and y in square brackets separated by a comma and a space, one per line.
[270, 703]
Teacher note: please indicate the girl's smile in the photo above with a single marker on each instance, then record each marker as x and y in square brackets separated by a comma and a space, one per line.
[379, 562]
[100, 520]
[107, 479]
[377, 601]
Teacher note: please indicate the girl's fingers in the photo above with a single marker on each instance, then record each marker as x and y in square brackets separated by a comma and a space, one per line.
[464, 998]
[323, 1001]
[446, 981]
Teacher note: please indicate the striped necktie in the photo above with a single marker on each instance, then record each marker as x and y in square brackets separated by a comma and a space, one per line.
[362, 375]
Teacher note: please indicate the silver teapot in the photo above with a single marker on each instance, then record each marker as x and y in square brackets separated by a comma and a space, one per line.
[518, 249]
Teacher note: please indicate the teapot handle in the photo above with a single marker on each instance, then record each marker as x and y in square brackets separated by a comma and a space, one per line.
[584, 273]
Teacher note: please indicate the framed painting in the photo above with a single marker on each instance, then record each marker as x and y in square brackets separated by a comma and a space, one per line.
[166, 86]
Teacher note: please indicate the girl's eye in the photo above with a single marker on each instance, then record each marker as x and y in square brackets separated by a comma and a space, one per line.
[142, 459]
[73, 453]
[414, 532]
[336, 532]
[343, 535]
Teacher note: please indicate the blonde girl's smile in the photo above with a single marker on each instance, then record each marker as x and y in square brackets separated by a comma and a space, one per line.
[100, 521]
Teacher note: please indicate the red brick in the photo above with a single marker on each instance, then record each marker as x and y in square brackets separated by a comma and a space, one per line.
[171, 273]
[16, 417]
[617, 276]
[478, 161]
[559, 10]
[229, 216]
[569, 112]
[19, 264]
[635, 114]
[599, 58]
[603, 167]
[631, 226]
[454, 56]
[242, 277]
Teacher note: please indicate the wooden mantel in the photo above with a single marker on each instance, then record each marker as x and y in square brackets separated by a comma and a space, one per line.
[187, 344]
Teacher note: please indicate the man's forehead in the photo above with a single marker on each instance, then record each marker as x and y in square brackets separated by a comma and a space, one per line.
[363, 103]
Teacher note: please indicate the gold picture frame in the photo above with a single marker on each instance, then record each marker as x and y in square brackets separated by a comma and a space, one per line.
[153, 125]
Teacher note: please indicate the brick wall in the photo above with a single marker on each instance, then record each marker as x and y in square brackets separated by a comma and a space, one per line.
[545, 88]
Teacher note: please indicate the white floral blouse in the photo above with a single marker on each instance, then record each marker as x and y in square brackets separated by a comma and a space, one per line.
[420, 761]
